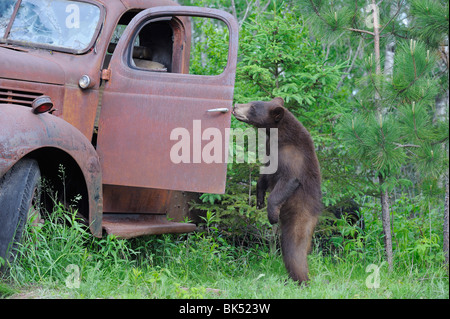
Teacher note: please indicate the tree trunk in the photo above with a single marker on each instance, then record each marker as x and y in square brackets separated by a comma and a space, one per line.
[386, 220]
[390, 49]
[442, 101]
[376, 39]
[385, 216]
[441, 114]
[389, 59]
[376, 44]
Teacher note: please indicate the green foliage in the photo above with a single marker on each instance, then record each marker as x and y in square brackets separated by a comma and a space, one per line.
[60, 241]
[6, 290]
[279, 59]
[209, 46]
[372, 142]
[393, 124]
[364, 125]
[431, 20]
[417, 234]
[206, 263]
[210, 198]
[413, 79]
[235, 212]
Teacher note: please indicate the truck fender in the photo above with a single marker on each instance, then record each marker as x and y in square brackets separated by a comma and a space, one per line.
[24, 133]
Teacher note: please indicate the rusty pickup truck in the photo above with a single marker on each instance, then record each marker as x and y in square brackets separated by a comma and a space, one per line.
[91, 91]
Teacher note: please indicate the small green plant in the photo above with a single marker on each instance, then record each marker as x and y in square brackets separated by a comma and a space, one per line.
[210, 198]
[190, 293]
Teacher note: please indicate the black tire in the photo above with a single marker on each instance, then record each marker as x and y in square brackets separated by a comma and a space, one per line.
[17, 188]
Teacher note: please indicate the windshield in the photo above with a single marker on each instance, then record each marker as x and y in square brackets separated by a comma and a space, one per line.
[6, 11]
[57, 23]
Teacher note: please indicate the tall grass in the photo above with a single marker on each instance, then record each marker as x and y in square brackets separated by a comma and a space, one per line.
[60, 259]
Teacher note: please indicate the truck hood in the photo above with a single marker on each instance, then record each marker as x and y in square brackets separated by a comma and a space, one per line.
[18, 65]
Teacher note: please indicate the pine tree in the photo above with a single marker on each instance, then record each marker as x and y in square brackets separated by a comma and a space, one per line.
[393, 123]
[431, 26]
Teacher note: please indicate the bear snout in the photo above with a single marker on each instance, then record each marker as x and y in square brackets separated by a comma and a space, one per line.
[239, 111]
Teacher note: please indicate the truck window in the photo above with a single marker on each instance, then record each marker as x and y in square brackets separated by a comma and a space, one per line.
[209, 46]
[113, 43]
[6, 11]
[158, 46]
[118, 31]
[153, 46]
[59, 24]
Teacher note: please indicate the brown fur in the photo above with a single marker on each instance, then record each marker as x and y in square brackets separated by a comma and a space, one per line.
[295, 195]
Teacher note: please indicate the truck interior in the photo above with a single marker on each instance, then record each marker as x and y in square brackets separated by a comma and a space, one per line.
[154, 45]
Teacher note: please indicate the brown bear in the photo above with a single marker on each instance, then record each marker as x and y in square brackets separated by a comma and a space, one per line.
[295, 194]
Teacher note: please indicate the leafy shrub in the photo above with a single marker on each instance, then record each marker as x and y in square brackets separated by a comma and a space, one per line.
[416, 232]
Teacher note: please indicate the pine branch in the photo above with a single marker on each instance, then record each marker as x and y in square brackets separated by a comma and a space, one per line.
[360, 31]
[316, 10]
[440, 141]
[405, 145]
[233, 9]
[412, 82]
[377, 92]
[413, 51]
[259, 84]
[264, 89]
[399, 6]
[247, 10]
[356, 134]
[355, 13]
[415, 125]
[347, 72]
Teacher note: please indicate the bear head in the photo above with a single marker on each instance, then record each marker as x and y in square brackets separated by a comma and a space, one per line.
[261, 114]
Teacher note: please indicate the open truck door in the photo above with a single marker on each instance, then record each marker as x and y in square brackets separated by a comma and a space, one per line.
[162, 128]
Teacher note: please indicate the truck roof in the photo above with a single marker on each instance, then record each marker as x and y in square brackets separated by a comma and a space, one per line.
[138, 4]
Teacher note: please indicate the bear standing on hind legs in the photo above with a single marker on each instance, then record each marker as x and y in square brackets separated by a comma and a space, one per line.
[295, 196]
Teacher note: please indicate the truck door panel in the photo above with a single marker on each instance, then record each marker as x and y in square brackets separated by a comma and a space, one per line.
[142, 106]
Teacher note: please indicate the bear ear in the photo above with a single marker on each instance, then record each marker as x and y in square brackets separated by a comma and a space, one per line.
[279, 101]
[277, 113]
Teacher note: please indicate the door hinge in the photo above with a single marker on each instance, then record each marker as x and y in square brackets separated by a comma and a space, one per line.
[106, 74]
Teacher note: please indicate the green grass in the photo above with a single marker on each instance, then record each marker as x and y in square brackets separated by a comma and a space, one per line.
[60, 259]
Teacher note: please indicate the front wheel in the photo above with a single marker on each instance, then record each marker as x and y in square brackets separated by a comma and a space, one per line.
[17, 189]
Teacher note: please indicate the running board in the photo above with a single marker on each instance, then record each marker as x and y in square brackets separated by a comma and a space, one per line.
[135, 225]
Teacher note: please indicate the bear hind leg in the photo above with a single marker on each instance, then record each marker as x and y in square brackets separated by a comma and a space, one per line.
[295, 244]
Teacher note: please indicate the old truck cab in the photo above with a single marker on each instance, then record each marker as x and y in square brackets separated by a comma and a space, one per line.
[92, 95]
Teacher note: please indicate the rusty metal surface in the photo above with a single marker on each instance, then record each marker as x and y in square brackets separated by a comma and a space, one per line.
[144, 4]
[22, 132]
[22, 66]
[24, 92]
[140, 109]
[179, 207]
[135, 225]
[46, 66]
[159, 103]
[121, 199]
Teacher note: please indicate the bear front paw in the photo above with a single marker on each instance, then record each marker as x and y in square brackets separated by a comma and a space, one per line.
[260, 204]
[273, 220]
